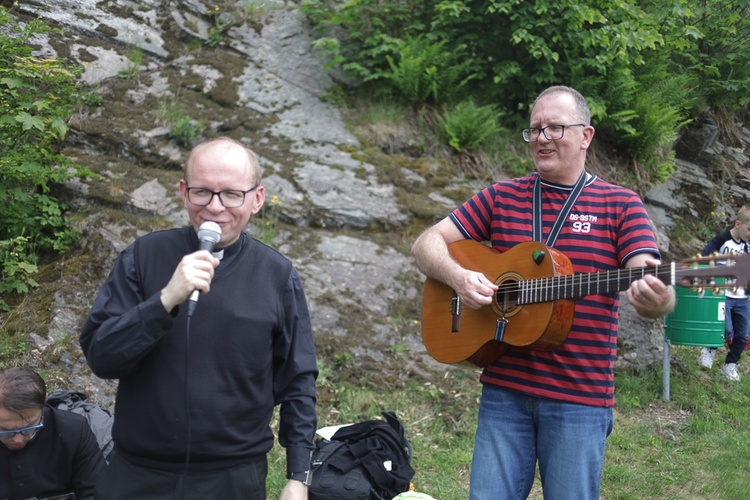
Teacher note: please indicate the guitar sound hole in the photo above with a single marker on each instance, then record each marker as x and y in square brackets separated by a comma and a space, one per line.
[506, 297]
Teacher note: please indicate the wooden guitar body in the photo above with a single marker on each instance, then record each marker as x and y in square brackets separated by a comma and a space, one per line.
[542, 325]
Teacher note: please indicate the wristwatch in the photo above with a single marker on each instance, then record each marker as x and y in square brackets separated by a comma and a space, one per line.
[304, 477]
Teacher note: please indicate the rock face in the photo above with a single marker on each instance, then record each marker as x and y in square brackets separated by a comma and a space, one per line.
[344, 216]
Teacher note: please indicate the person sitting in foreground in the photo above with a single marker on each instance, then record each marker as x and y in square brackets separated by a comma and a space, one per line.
[46, 452]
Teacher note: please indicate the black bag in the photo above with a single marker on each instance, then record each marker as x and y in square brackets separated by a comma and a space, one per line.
[100, 420]
[369, 460]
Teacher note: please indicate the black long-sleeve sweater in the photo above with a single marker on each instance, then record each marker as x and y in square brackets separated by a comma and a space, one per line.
[249, 347]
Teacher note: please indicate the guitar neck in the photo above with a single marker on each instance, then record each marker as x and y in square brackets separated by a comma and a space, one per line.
[575, 286]
[531, 273]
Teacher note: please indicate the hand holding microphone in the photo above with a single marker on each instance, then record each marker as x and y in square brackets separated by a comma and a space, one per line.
[209, 235]
[194, 269]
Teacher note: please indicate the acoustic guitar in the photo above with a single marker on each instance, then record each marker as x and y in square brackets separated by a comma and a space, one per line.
[535, 299]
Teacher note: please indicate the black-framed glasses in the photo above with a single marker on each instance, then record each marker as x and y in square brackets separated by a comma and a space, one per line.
[25, 431]
[551, 132]
[230, 198]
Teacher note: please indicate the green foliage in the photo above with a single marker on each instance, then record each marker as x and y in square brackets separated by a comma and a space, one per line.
[182, 127]
[425, 72]
[12, 348]
[186, 131]
[36, 97]
[92, 98]
[470, 127]
[646, 67]
[643, 113]
[268, 217]
[215, 35]
[17, 269]
[708, 41]
[135, 56]
[372, 30]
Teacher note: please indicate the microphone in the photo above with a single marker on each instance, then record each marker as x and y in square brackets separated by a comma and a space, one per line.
[209, 235]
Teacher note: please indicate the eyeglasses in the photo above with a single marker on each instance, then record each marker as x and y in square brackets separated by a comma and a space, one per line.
[551, 132]
[230, 198]
[25, 431]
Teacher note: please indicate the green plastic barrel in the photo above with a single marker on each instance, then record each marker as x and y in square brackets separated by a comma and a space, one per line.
[697, 319]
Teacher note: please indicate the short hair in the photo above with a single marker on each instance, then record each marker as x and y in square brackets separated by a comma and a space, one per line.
[251, 157]
[21, 389]
[743, 215]
[582, 107]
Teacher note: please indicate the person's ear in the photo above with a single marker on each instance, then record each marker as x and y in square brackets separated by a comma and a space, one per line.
[259, 198]
[588, 135]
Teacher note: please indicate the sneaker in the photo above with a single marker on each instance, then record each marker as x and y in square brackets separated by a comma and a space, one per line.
[706, 359]
[729, 370]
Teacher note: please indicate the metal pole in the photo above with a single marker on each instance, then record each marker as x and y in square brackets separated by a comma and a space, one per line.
[665, 371]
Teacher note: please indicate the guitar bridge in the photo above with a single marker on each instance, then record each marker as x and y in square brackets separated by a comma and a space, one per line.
[455, 313]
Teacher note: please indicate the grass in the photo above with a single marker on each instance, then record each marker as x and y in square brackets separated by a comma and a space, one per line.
[439, 421]
[12, 348]
[695, 445]
[134, 54]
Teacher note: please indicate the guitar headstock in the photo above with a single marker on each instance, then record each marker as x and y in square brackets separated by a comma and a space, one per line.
[715, 272]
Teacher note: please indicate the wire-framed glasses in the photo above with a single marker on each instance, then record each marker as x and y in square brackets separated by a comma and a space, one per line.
[551, 132]
[25, 431]
[230, 198]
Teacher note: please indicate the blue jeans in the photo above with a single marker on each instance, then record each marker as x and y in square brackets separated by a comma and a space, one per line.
[737, 316]
[515, 430]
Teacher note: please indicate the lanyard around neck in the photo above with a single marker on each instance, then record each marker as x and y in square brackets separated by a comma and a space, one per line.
[561, 217]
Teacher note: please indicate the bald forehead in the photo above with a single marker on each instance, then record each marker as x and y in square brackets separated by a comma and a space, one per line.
[565, 97]
[224, 152]
[572, 99]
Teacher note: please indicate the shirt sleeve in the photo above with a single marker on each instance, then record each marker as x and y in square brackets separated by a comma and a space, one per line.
[714, 246]
[295, 372]
[474, 217]
[123, 325]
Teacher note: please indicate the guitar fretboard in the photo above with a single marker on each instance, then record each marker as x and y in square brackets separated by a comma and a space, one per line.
[575, 286]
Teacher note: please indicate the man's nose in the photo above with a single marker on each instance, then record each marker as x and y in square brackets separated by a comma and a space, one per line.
[17, 439]
[215, 204]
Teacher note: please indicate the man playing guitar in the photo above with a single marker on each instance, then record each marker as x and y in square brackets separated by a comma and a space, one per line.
[551, 406]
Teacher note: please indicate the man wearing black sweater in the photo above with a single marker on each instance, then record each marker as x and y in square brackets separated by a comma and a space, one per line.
[197, 391]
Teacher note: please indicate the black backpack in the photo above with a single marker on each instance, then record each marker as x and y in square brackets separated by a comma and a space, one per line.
[369, 460]
[100, 420]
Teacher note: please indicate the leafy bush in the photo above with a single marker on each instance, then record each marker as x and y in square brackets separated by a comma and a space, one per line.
[425, 72]
[469, 127]
[36, 96]
[358, 35]
[708, 41]
[16, 269]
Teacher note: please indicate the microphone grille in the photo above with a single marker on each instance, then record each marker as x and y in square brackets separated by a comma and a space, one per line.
[209, 231]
